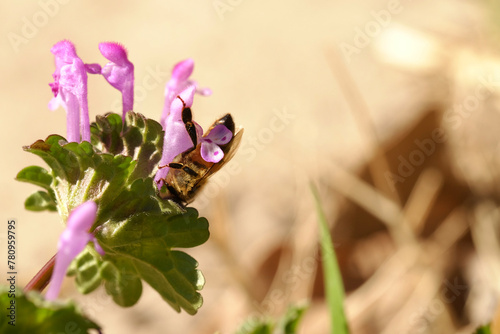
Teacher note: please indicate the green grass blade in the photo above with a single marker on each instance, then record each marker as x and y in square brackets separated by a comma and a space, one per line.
[333, 280]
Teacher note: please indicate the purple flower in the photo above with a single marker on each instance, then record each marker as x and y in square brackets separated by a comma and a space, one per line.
[179, 82]
[176, 138]
[119, 72]
[70, 90]
[71, 242]
[210, 150]
[179, 94]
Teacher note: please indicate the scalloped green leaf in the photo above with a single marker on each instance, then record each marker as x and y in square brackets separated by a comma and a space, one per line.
[171, 274]
[40, 201]
[36, 175]
[79, 173]
[181, 230]
[142, 139]
[141, 248]
[106, 133]
[86, 267]
[122, 282]
[139, 197]
[33, 314]
[146, 240]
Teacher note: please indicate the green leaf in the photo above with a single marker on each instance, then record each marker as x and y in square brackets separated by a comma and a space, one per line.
[288, 324]
[35, 175]
[142, 247]
[181, 230]
[138, 230]
[106, 133]
[142, 140]
[173, 275]
[333, 280]
[122, 203]
[30, 313]
[253, 326]
[80, 173]
[290, 321]
[86, 267]
[40, 201]
[122, 281]
[483, 330]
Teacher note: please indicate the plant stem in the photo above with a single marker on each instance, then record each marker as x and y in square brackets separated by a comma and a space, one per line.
[42, 278]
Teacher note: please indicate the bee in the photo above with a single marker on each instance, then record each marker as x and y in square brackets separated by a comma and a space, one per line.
[189, 171]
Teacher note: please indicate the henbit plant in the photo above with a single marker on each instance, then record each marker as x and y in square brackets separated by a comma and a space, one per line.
[104, 180]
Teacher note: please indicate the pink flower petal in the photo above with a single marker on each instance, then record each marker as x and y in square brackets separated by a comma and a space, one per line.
[187, 95]
[82, 217]
[183, 70]
[204, 91]
[71, 242]
[211, 152]
[70, 89]
[119, 72]
[114, 52]
[220, 135]
[178, 83]
[176, 139]
[64, 52]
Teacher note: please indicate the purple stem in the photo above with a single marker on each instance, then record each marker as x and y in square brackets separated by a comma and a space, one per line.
[42, 278]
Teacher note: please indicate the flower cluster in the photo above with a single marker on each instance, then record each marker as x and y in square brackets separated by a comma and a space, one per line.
[70, 92]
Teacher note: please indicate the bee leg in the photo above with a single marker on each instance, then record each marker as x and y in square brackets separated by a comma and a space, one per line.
[171, 193]
[186, 169]
[161, 167]
[189, 171]
[187, 119]
[172, 190]
[174, 165]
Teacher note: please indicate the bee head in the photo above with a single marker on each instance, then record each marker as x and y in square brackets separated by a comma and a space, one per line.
[227, 121]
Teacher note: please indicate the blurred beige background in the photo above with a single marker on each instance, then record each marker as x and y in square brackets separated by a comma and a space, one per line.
[261, 59]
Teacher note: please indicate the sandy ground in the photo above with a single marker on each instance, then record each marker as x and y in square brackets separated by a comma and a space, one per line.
[289, 72]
